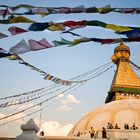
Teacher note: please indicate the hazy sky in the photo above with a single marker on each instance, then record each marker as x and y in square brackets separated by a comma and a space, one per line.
[64, 62]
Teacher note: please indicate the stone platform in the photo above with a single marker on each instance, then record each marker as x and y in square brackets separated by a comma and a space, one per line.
[112, 134]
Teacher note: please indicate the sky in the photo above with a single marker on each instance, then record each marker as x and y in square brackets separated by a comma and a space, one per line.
[64, 62]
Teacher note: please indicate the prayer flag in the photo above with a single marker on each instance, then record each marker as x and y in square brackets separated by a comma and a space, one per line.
[6, 21]
[78, 9]
[43, 11]
[2, 35]
[78, 41]
[91, 10]
[3, 53]
[131, 34]
[4, 12]
[137, 10]
[20, 19]
[38, 26]
[96, 23]
[62, 42]
[14, 57]
[137, 39]
[105, 9]
[21, 6]
[111, 41]
[75, 24]
[56, 27]
[39, 45]
[125, 10]
[15, 30]
[118, 28]
[20, 47]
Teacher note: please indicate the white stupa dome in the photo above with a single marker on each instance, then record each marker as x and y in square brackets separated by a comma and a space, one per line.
[120, 112]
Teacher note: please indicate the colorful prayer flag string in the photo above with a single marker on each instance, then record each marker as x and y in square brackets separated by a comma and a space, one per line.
[44, 11]
[98, 40]
[47, 76]
[128, 31]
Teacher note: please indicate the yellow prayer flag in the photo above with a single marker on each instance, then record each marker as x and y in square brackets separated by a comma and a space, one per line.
[56, 27]
[76, 41]
[13, 57]
[21, 19]
[118, 28]
[105, 9]
[43, 14]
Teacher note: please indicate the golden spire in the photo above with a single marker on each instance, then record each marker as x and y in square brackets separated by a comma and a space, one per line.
[125, 81]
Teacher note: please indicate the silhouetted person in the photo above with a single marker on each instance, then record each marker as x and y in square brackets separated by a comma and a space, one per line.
[116, 126]
[133, 126]
[92, 131]
[42, 133]
[78, 134]
[127, 126]
[108, 125]
[111, 126]
[104, 132]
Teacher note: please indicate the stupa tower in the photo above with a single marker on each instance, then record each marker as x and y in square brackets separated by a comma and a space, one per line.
[122, 103]
[125, 84]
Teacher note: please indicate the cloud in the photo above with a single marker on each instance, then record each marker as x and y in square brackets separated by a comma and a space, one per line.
[54, 128]
[70, 99]
[51, 128]
[65, 104]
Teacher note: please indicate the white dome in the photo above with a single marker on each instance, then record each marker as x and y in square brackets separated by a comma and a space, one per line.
[120, 111]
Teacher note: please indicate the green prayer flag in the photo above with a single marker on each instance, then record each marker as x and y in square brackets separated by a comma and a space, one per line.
[62, 42]
[96, 23]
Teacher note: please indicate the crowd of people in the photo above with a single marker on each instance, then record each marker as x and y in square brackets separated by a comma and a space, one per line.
[109, 126]
[104, 133]
[126, 126]
[92, 133]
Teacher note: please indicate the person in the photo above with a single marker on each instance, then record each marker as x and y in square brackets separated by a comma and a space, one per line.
[104, 132]
[92, 132]
[108, 125]
[116, 126]
[133, 126]
[125, 126]
[78, 134]
[111, 126]
[42, 133]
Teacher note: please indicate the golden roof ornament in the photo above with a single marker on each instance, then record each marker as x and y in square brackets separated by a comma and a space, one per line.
[122, 47]
[122, 53]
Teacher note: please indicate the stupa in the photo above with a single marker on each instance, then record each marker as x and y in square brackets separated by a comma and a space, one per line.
[122, 103]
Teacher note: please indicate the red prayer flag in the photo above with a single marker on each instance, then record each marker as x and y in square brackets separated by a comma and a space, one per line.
[15, 30]
[38, 45]
[4, 12]
[75, 24]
